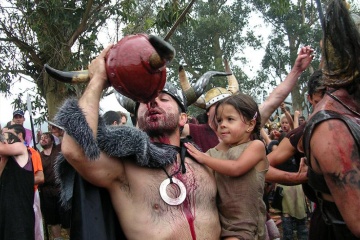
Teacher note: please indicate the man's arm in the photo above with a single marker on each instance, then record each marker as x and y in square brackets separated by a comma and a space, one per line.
[18, 150]
[335, 154]
[39, 178]
[280, 155]
[103, 171]
[279, 94]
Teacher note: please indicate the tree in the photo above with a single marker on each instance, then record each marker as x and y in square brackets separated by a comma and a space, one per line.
[215, 29]
[60, 33]
[296, 25]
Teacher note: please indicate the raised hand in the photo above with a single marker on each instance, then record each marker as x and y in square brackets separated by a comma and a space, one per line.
[304, 58]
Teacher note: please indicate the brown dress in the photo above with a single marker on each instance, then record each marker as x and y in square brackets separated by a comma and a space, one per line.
[240, 202]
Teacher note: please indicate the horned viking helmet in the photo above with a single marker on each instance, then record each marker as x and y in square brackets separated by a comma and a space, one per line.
[213, 95]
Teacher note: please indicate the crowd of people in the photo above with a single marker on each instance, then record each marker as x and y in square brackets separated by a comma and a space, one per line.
[169, 177]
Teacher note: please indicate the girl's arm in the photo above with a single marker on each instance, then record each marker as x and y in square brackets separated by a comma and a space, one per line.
[252, 155]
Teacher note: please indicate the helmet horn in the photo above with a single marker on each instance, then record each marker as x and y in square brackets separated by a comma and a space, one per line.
[165, 51]
[192, 93]
[233, 85]
[68, 77]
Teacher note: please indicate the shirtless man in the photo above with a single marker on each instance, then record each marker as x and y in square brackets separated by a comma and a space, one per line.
[134, 190]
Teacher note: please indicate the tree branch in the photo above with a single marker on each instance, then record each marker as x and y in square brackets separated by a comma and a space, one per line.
[23, 46]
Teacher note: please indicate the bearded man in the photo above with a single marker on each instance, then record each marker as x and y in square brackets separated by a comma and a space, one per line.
[173, 199]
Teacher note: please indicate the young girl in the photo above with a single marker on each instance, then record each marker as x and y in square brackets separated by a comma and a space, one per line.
[240, 165]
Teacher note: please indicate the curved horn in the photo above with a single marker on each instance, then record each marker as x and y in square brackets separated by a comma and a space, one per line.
[185, 85]
[233, 85]
[68, 77]
[165, 52]
[198, 88]
[200, 102]
[125, 102]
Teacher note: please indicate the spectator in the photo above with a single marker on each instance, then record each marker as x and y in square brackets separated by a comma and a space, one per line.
[18, 118]
[112, 118]
[38, 179]
[16, 188]
[54, 213]
[123, 118]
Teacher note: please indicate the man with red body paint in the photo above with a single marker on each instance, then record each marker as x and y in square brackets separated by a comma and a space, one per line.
[142, 212]
[332, 135]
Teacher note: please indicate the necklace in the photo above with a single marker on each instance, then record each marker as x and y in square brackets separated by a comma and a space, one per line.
[339, 101]
[173, 180]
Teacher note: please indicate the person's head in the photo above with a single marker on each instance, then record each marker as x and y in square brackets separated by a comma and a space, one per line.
[238, 118]
[15, 133]
[18, 117]
[284, 124]
[164, 115]
[56, 130]
[202, 118]
[212, 97]
[123, 118]
[316, 89]
[112, 118]
[47, 140]
[302, 120]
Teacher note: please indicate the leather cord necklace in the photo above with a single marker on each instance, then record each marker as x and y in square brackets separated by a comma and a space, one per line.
[173, 180]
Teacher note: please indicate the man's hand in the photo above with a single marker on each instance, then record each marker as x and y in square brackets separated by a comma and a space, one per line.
[304, 58]
[97, 69]
[303, 169]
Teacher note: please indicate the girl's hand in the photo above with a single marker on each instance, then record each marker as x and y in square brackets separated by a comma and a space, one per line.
[195, 153]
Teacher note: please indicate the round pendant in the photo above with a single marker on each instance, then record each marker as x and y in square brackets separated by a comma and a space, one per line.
[169, 200]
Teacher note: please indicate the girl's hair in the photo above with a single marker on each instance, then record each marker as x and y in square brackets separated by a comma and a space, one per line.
[247, 107]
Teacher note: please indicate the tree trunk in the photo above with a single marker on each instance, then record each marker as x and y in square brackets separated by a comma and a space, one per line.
[55, 94]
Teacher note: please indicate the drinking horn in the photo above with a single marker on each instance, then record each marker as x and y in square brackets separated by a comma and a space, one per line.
[135, 67]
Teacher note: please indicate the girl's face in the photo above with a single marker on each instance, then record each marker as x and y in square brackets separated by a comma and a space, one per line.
[285, 126]
[232, 128]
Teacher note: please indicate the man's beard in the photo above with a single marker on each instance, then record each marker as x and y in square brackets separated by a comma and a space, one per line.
[160, 127]
[46, 146]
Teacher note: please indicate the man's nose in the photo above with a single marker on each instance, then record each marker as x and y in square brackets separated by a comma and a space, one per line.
[153, 103]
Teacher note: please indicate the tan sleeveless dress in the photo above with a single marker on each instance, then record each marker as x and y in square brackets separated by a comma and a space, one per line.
[240, 202]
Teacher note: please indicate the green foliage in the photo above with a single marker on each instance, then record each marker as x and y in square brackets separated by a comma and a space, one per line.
[296, 25]
[61, 33]
[212, 31]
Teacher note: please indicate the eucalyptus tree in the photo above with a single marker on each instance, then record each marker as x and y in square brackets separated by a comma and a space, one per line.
[214, 30]
[63, 34]
[294, 25]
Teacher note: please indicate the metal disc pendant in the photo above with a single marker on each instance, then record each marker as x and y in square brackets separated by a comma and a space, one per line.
[169, 200]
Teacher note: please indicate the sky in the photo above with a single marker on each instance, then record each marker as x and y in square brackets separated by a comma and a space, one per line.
[106, 104]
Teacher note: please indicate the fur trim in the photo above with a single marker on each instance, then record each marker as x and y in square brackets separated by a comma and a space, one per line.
[65, 176]
[72, 119]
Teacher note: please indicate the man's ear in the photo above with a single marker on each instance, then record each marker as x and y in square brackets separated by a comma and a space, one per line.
[183, 119]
